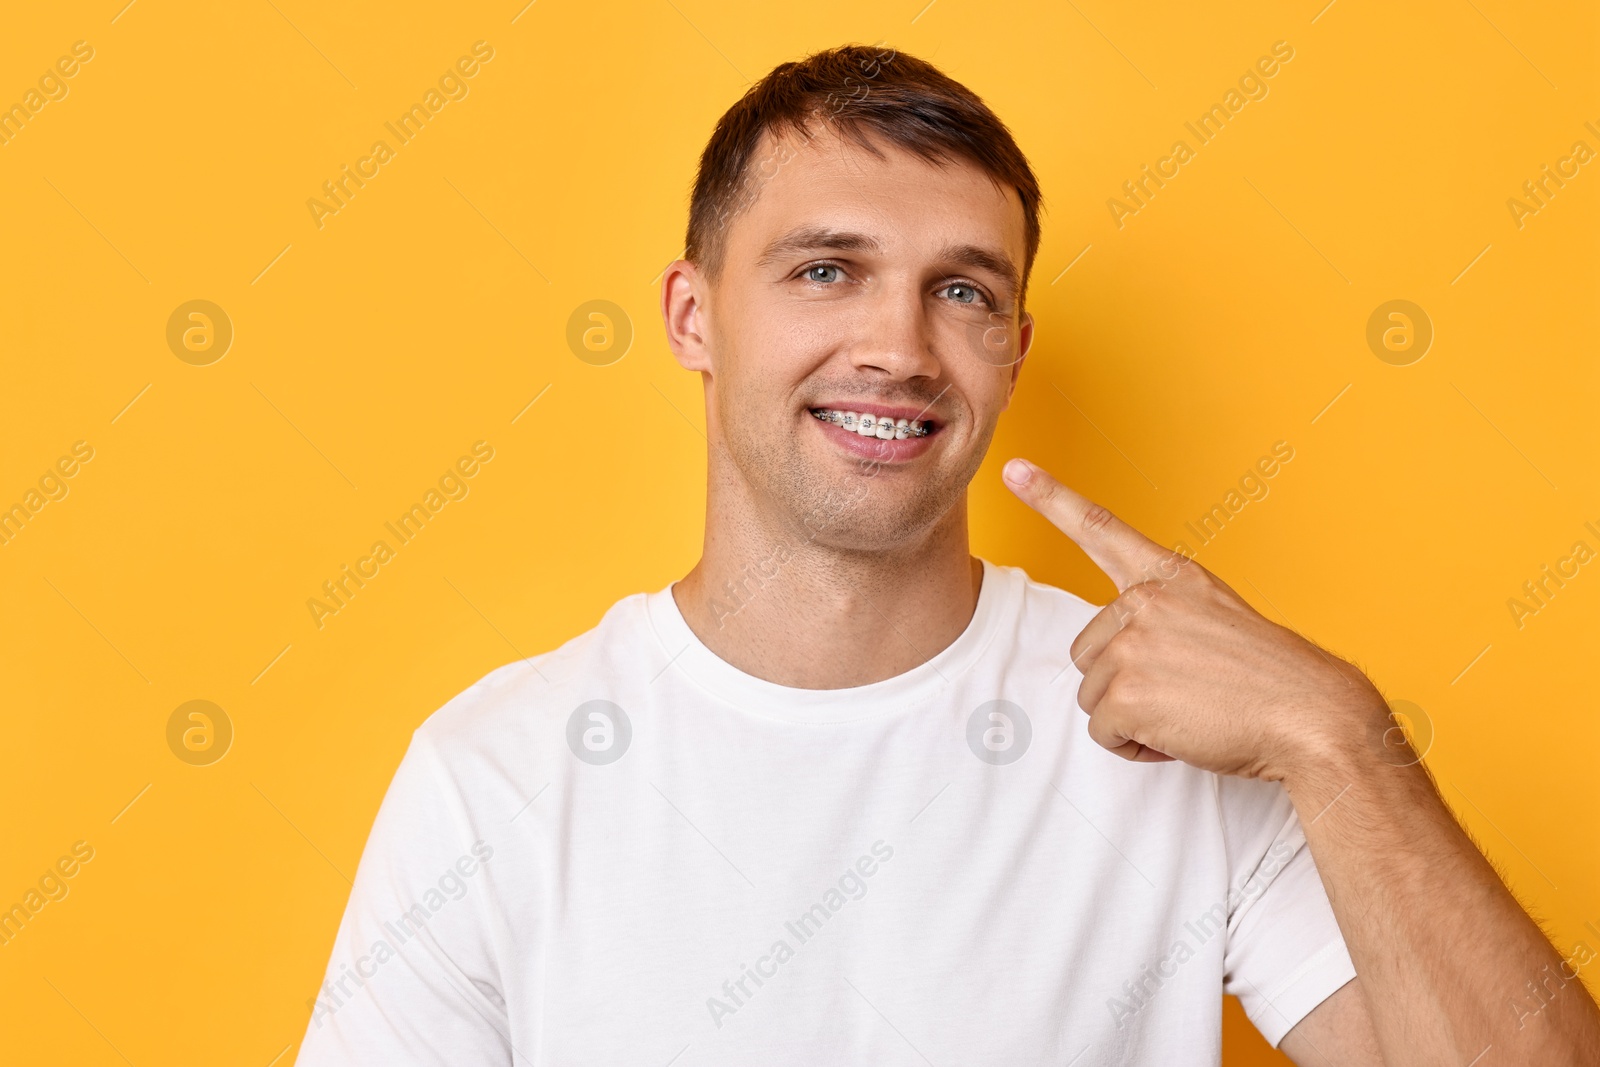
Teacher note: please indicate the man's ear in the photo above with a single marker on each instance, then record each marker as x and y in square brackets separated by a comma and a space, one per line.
[683, 312]
[1024, 342]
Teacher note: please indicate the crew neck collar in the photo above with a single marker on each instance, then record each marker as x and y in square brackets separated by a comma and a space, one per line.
[689, 656]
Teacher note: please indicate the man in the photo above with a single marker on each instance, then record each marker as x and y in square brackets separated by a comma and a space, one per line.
[830, 797]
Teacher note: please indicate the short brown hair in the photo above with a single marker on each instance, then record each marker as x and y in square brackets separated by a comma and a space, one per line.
[857, 91]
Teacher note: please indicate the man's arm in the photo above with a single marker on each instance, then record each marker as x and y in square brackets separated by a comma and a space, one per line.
[413, 978]
[1337, 1033]
[1179, 666]
[1449, 961]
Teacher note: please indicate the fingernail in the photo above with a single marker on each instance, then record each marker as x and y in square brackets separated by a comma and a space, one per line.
[1018, 472]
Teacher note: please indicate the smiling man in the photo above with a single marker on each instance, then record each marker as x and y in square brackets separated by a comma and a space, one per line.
[833, 796]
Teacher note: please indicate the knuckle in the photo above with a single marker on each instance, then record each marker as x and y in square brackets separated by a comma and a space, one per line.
[1171, 566]
[1106, 733]
[1127, 645]
[1121, 692]
[1137, 602]
[1096, 518]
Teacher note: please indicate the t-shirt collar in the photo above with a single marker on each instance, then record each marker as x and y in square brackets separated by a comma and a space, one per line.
[684, 653]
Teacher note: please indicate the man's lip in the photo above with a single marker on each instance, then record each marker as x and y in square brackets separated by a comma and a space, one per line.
[875, 449]
[880, 411]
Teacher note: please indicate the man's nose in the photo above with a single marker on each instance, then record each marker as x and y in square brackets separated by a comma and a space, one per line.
[898, 338]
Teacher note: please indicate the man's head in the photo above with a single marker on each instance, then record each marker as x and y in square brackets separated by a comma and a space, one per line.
[860, 236]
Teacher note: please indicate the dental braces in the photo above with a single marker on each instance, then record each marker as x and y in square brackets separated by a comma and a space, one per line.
[847, 420]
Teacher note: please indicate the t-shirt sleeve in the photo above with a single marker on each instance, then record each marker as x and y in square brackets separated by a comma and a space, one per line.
[1285, 953]
[412, 980]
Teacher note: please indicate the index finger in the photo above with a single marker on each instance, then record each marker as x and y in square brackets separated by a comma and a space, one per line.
[1127, 556]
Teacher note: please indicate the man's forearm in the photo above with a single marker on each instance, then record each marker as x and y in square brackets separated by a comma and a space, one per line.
[1454, 971]
[1179, 666]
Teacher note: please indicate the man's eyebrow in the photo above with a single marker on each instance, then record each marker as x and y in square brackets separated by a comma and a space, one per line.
[809, 238]
[996, 263]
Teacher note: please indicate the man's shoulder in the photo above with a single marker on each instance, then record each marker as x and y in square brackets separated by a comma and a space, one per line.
[521, 698]
[1042, 608]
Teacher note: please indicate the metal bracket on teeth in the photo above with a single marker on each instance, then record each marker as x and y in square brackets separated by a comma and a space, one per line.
[843, 420]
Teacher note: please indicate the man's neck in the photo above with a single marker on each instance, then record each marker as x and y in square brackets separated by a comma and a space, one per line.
[805, 615]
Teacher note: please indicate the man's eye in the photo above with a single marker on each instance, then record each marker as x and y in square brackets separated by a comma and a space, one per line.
[812, 275]
[962, 293]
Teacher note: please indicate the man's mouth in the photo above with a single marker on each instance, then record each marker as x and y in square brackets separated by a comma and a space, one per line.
[881, 427]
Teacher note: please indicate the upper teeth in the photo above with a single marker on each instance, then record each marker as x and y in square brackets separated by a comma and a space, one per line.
[868, 425]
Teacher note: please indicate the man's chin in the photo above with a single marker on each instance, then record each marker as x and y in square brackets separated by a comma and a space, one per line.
[871, 514]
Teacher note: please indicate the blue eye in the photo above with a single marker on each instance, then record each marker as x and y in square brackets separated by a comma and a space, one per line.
[973, 296]
[811, 272]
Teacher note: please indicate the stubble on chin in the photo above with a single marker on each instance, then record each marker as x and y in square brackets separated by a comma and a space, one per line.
[859, 505]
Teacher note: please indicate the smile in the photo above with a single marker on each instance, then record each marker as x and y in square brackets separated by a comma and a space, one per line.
[867, 425]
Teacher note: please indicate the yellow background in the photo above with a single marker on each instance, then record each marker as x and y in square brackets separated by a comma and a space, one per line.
[427, 314]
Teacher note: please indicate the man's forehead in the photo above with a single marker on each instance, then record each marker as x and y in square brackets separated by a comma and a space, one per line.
[823, 182]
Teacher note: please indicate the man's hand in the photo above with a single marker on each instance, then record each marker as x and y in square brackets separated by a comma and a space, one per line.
[1178, 666]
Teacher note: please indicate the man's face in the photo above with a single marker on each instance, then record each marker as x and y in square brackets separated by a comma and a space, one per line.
[853, 284]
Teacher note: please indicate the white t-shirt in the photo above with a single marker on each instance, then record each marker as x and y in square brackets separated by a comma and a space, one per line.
[628, 851]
